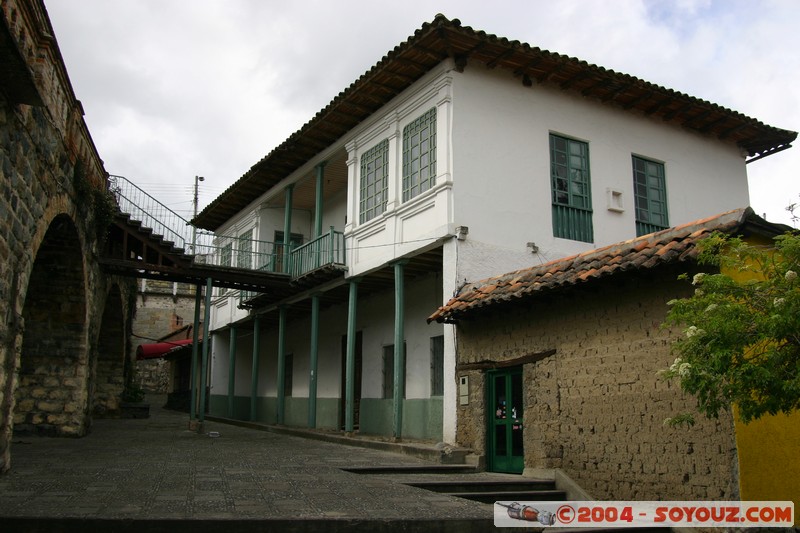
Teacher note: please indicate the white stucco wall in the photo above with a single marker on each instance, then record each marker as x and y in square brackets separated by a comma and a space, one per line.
[501, 169]
[493, 176]
[375, 319]
[272, 219]
[404, 227]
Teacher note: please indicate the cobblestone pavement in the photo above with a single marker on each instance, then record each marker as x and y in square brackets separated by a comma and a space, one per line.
[156, 470]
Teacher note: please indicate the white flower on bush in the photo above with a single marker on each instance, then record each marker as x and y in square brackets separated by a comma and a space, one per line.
[698, 278]
[684, 369]
[711, 308]
[791, 275]
[778, 302]
[693, 331]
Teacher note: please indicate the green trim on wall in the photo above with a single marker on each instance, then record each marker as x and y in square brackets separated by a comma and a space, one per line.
[422, 417]
[218, 405]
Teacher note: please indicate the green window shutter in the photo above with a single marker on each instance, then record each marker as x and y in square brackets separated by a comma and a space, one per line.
[571, 188]
[244, 255]
[226, 254]
[388, 371]
[374, 181]
[650, 196]
[437, 366]
[419, 155]
[225, 259]
[288, 374]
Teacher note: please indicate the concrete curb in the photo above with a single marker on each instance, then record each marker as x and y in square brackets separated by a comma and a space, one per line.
[437, 453]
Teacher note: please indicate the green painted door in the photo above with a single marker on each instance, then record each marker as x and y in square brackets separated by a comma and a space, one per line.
[504, 438]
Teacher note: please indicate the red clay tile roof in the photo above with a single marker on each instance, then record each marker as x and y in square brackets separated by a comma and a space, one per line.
[672, 245]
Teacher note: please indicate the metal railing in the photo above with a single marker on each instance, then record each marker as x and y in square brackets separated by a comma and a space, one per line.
[327, 249]
[235, 252]
[263, 256]
[151, 213]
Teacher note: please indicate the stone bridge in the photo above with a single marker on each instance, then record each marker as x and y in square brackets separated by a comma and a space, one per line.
[63, 335]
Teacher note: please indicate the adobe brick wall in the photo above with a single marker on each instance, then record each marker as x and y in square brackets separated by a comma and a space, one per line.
[596, 408]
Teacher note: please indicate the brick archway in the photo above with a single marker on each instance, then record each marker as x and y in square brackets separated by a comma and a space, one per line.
[109, 367]
[51, 394]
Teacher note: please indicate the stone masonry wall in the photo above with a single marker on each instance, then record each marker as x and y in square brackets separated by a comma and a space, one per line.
[49, 174]
[162, 307]
[596, 408]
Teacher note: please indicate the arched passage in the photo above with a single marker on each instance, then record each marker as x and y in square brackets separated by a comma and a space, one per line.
[110, 365]
[51, 391]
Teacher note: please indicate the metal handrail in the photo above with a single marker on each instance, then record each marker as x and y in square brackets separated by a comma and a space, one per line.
[263, 256]
[150, 212]
[248, 254]
[327, 249]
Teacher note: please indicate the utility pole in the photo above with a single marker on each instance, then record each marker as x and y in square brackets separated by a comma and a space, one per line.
[197, 179]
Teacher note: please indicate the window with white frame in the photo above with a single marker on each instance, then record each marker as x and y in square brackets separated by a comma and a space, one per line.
[374, 181]
[419, 155]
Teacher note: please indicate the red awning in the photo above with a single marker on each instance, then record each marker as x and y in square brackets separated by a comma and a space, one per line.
[159, 349]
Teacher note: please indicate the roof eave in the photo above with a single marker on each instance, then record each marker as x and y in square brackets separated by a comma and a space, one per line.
[443, 38]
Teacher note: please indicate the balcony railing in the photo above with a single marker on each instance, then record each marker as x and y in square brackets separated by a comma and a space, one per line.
[236, 252]
[249, 254]
[327, 249]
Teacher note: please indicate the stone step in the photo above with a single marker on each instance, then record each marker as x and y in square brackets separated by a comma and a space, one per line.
[486, 491]
[467, 485]
[506, 496]
[413, 469]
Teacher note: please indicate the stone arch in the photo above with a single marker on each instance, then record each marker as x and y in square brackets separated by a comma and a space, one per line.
[109, 367]
[51, 393]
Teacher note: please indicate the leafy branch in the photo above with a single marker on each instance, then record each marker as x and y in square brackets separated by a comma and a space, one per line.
[741, 329]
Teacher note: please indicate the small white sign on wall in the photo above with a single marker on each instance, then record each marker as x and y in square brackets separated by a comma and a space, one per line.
[463, 390]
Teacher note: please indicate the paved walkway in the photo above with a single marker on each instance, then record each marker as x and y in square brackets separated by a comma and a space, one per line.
[155, 474]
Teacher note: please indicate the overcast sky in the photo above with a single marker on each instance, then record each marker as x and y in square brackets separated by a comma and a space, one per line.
[178, 88]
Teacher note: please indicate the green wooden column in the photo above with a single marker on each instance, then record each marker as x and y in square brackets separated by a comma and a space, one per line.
[204, 367]
[232, 372]
[281, 364]
[198, 299]
[313, 363]
[320, 177]
[399, 353]
[350, 363]
[254, 375]
[287, 227]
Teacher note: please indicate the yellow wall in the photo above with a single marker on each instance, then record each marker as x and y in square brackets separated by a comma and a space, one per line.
[769, 454]
[769, 459]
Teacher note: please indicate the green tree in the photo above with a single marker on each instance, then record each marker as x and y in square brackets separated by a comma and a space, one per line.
[741, 336]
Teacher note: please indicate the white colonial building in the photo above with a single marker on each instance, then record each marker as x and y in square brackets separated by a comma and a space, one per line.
[458, 156]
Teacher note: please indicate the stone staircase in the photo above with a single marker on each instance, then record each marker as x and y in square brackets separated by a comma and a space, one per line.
[468, 482]
[158, 241]
[487, 491]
